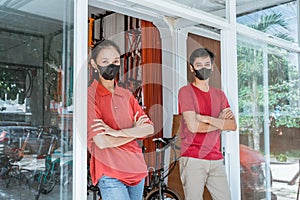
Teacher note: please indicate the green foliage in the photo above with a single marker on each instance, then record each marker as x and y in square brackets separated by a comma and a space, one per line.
[281, 157]
[283, 80]
[288, 121]
[246, 123]
[12, 83]
[268, 21]
[293, 154]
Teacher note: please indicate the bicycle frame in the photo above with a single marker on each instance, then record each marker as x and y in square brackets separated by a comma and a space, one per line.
[10, 157]
[158, 175]
[48, 178]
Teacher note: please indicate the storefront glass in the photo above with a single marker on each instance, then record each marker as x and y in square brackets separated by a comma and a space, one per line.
[214, 7]
[269, 121]
[36, 99]
[268, 81]
[277, 19]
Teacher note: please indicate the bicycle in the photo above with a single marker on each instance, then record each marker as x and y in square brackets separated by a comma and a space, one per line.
[13, 151]
[92, 188]
[157, 188]
[15, 165]
[55, 165]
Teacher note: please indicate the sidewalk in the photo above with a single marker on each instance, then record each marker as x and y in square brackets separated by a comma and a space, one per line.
[283, 174]
[22, 192]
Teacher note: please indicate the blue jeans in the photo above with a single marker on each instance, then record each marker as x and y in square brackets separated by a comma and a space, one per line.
[113, 189]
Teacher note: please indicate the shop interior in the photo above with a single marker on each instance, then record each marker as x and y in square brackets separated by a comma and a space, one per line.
[37, 84]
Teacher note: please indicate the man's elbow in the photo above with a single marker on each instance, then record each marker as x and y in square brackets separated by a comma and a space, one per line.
[233, 127]
[230, 126]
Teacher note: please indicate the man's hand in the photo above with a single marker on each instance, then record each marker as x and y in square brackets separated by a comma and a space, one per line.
[226, 114]
[203, 118]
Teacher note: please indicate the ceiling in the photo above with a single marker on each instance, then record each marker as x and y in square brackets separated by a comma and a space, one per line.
[43, 17]
[37, 17]
[23, 22]
[217, 7]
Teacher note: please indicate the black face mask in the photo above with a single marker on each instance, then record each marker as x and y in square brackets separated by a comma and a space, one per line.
[203, 73]
[109, 72]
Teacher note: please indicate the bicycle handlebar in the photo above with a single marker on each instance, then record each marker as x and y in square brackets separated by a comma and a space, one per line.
[164, 141]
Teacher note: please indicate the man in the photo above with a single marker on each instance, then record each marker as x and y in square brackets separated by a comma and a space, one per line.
[205, 113]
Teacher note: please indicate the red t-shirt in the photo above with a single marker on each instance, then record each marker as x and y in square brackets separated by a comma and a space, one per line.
[201, 145]
[126, 162]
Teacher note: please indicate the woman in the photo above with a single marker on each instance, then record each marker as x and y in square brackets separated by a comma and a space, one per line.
[115, 121]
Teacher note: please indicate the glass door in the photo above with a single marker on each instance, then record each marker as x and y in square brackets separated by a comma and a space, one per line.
[36, 99]
[269, 120]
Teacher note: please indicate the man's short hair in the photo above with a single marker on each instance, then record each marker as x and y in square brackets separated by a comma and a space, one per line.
[202, 52]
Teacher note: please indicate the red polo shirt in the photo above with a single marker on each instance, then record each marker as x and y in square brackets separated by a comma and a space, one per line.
[117, 110]
[201, 145]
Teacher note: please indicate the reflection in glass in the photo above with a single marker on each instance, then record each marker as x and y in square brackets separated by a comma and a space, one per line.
[279, 20]
[36, 99]
[215, 7]
[282, 135]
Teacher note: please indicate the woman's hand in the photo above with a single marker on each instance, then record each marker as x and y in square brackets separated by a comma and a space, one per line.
[102, 127]
[140, 128]
[141, 120]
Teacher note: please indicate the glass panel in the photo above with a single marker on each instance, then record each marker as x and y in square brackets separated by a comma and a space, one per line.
[215, 7]
[278, 19]
[36, 99]
[269, 107]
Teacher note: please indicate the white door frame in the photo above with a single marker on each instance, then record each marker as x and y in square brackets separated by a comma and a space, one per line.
[155, 11]
[80, 100]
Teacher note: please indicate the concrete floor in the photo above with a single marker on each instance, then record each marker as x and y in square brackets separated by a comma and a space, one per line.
[285, 172]
[22, 192]
[17, 191]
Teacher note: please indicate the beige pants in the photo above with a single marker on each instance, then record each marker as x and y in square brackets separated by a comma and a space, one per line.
[196, 173]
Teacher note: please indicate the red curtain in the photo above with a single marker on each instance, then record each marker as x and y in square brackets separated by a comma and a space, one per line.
[152, 79]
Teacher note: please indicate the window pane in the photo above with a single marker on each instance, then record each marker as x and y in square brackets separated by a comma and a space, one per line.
[36, 99]
[269, 119]
[278, 20]
[215, 7]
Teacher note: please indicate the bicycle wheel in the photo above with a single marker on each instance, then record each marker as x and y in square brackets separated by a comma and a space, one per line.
[47, 183]
[168, 194]
[34, 185]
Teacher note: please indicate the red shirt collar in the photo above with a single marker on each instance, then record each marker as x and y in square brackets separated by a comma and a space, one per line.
[103, 91]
